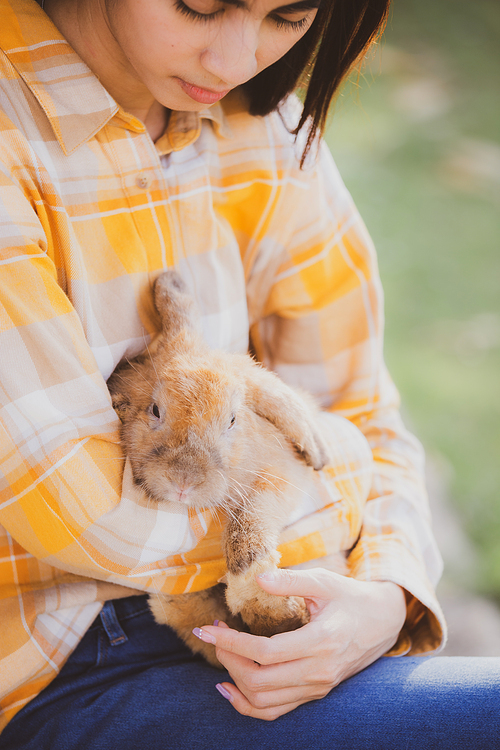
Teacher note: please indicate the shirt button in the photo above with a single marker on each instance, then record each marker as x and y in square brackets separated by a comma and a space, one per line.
[143, 181]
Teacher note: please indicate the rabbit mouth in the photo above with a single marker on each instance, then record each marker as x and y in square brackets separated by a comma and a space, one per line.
[193, 495]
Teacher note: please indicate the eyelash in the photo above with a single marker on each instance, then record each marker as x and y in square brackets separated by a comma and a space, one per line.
[190, 13]
[280, 22]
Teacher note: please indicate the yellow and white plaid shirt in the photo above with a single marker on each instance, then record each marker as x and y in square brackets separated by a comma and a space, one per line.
[91, 211]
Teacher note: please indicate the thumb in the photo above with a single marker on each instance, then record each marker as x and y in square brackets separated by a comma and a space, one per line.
[315, 582]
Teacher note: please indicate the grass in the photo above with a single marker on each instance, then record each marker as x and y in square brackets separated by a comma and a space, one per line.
[416, 138]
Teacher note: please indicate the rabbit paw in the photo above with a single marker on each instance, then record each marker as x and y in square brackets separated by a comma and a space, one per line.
[274, 614]
[314, 450]
[263, 613]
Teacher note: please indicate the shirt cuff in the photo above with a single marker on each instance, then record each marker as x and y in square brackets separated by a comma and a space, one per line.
[425, 630]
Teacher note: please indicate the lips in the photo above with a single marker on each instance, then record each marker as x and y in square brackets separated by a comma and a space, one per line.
[203, 96]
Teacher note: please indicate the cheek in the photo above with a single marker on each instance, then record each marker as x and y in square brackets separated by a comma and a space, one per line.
[276, 42]
[148, 39]
[274, 45]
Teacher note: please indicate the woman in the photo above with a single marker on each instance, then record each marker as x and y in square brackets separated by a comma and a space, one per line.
[144, 134]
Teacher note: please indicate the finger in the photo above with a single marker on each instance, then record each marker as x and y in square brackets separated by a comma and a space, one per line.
[253, 678]
[315, 582]
[275, 650]
[264, 691]
[255, 648]
[244, 707]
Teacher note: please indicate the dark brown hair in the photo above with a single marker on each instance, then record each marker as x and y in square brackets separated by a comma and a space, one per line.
[338, 37]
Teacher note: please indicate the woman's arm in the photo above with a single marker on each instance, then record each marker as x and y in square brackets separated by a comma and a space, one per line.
[62, 498]
[319, 325]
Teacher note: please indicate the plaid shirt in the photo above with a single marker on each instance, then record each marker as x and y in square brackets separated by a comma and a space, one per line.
[91, 211]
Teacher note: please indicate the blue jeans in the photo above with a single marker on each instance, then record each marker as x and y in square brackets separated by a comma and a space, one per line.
[132, 685]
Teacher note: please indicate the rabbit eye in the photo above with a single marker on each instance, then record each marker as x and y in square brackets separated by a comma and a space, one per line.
[232, 422]
[155, 411]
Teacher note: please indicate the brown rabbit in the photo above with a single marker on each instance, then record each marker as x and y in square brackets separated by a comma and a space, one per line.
[211, 429]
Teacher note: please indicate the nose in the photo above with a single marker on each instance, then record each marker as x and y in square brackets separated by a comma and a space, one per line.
[231, 55]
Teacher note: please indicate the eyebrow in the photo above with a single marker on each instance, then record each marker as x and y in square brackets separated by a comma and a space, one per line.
[288, 8]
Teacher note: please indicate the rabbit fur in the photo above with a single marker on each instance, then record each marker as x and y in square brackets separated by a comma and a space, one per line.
[211, 429]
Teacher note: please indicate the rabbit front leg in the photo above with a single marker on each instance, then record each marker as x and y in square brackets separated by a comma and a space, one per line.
[294, 413]
[183, 612]
[250, 541]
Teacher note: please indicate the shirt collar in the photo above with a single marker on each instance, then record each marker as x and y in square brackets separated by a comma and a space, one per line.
[184, 128]
[75, 103]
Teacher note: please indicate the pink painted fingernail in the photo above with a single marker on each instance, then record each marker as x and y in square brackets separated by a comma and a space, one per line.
[267, 576]
[203, 636]
[216, 622]
[225, 693]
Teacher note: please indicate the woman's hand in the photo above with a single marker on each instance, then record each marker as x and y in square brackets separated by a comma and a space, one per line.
[352, 624]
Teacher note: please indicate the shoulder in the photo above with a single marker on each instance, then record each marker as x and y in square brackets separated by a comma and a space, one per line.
[269, 139]
[272, 139]
[22, 122]
[268, 146]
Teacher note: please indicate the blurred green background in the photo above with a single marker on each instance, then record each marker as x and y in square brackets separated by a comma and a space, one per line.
[417, 139]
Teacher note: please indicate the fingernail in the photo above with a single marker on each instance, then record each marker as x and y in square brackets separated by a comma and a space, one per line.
[266, 576]
[225, 693]
[203, 636]
[216, 622]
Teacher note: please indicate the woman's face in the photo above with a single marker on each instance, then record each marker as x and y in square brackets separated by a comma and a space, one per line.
[189, 53]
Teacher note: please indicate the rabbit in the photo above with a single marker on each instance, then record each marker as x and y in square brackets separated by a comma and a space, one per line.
[211, 429]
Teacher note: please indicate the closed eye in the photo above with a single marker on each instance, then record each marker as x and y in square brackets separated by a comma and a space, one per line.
[302, 6]
[185, 10]
[232, 422]
[283, 23]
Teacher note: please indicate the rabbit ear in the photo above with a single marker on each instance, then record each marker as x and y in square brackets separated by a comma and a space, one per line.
[121, 404]
[175, 305]
[288, 410]
[126, 392]
[119, 399]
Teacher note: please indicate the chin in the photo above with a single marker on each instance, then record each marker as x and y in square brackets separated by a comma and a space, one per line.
[187, 105]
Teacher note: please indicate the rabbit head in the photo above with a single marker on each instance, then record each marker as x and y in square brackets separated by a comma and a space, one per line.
[182, 426]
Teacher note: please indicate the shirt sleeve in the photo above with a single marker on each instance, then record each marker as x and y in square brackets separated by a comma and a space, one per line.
[318, 322]
[62, 498]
